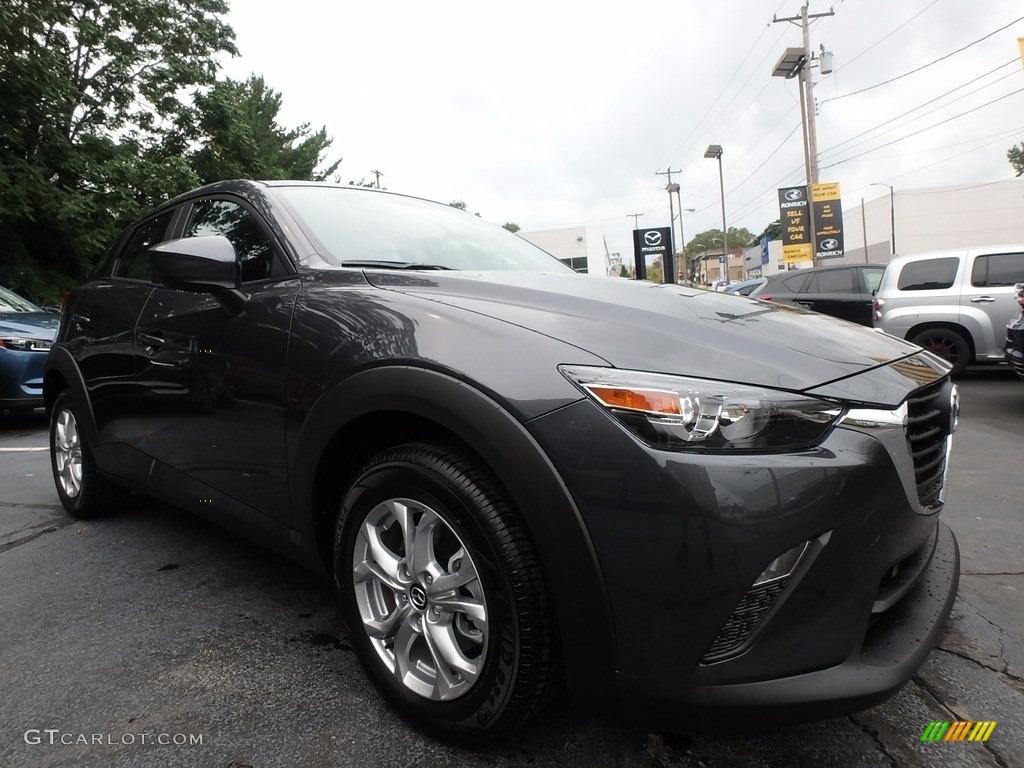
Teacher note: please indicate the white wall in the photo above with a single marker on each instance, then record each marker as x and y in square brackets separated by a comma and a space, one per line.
[935, 219]
[574, 243]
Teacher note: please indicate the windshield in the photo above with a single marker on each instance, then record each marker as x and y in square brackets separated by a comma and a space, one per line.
[12, 302]
[366, 229]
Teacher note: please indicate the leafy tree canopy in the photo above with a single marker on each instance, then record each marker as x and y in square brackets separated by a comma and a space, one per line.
[1016, 157]
[241, 138]
[711, 240]
[92, 107]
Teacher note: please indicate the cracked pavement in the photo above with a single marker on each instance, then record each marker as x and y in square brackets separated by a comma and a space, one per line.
[153, 621]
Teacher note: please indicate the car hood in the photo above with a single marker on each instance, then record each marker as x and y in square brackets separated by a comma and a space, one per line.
[666, 328]
[35, 325]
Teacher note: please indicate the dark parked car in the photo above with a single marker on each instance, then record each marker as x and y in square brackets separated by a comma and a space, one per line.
[1015, 335]
[26, 332]
[518, 477]
[842, 291]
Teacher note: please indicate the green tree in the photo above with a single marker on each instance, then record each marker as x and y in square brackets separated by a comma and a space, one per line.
[511, 226]
[773, 232]
[241, 138]
[1016, 157]
[710, 240]
[94, 126]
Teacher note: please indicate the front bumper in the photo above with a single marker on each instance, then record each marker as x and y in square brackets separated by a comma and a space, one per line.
[1014, 347]
[681, 537]
[21, 379]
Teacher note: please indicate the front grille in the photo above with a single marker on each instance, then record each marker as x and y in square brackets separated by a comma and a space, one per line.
[744, 620]
[928, 425]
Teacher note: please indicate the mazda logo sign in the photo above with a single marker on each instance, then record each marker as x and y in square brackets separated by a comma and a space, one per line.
[829, 245]
[652, 238]
[794, 194]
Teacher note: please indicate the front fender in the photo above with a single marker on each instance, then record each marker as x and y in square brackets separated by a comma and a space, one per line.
[61, 372]
[574, 579]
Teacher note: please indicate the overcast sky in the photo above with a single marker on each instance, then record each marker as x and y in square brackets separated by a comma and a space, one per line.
[556, 114]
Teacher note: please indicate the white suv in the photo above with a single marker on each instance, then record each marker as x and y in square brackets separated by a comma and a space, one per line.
[953, 303]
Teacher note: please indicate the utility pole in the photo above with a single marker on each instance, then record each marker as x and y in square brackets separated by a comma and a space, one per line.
[670, 266]
[635, 217]
[807, 108]
[377, 174]
[807, 88]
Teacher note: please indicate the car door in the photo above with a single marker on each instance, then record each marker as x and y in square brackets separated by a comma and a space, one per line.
[103, 345]
[213, 381]
[988, 300]
[832, 292]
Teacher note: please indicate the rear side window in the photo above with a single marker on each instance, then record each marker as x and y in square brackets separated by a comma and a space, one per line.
[832, 281]
[794, 283]
[998, 269]
[928, 274]
[133, 263]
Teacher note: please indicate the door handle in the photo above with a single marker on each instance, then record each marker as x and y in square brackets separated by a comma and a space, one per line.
[982, 300]
[151, 342]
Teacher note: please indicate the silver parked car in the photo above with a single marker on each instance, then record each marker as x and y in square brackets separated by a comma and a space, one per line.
[953, 303]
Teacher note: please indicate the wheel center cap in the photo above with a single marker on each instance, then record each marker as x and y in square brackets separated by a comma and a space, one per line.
[418, 597]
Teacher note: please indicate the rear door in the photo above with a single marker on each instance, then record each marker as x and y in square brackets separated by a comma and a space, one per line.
[101, 340]
[833, 292]
[213, 381]
[988, 300]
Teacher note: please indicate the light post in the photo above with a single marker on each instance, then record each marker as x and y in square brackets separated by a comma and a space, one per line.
[892, 213]
[682, 237]
[714, 151]
[723, 260]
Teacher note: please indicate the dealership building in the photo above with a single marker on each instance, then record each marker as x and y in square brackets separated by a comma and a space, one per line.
[917, 220]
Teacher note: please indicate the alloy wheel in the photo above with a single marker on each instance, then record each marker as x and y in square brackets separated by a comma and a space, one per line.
[67, 452]
[420, 599]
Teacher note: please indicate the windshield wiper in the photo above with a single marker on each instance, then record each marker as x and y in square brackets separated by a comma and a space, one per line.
[372, 263]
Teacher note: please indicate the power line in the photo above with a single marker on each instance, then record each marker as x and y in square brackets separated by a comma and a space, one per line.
[928, 128]
[930, 101]
[924, 66]
[883, 39]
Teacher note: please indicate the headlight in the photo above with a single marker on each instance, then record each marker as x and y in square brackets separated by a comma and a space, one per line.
[25, 345]
[701, 414]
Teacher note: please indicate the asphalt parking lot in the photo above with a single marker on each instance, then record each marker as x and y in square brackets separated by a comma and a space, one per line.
[151, 638]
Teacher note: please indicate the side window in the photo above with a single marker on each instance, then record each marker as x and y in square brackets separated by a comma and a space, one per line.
[254, 247]
[132, 262]
[928, 274]
[872, 279]
[998, 269]
[793, 283]
[833, 281]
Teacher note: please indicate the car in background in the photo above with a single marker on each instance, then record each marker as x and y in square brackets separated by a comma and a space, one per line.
[843, 291]
[954, 303]
[26, 332]
[721, 285]
[517, 477]
[1015, 335]
[745, 287]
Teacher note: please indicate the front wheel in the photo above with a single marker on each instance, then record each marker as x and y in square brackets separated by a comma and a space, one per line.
[83, 491]
[442, 593]
[947, 344]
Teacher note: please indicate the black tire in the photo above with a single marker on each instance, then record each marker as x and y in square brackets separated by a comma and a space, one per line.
[85, 493]
[947, 344]
[510, 659]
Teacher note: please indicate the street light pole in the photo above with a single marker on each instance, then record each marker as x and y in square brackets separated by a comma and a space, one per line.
[892, 212]
[715, 151]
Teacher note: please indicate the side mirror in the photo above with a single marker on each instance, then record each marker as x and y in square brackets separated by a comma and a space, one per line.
[196, 264]
[201, 265]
